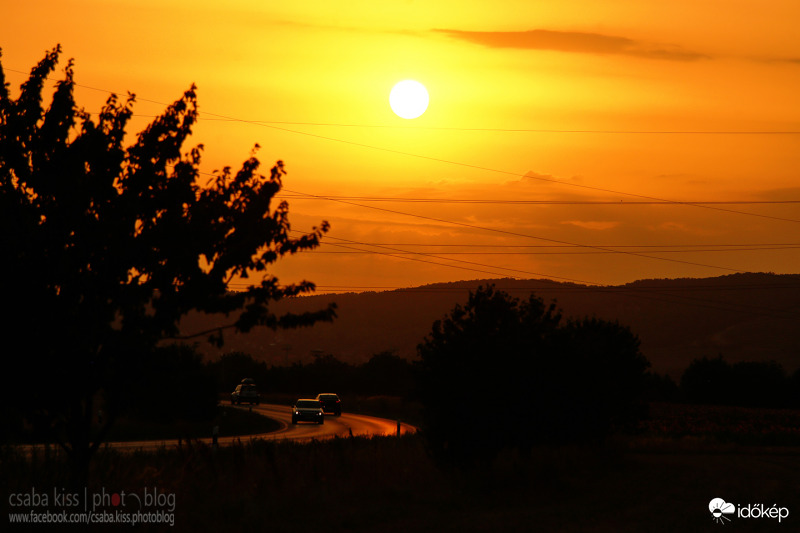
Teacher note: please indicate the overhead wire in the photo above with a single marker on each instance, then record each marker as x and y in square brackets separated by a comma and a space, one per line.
[472, 245]
[628, 203]
[489, 169]
[641, 292]
[581, 252]
[636, 292]
[505, 130]
[272, 125]
[704, 205]
[525, 235]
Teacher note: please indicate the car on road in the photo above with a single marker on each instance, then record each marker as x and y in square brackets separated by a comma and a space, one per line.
[246, 392]
[307, 409]
[330, 403]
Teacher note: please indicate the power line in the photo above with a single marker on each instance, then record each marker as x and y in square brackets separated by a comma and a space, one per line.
[505, 172]
[531, 176]
[583, 252]
[524, 235]
[566, 243]
[489, 169]
[560, 288]
[473, 266]
[632, 291]
[501, 130]
[660, 294]
[627, 203]
[648, 293]
[541, 178]
[599, 248]
[470, 245]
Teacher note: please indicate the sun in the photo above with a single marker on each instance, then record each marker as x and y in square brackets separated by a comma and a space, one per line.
[409, 99]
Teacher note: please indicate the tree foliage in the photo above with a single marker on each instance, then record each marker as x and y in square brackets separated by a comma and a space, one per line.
[500, 372]
[106, 246]
[384, 374]
[178, 387]
[715, 381]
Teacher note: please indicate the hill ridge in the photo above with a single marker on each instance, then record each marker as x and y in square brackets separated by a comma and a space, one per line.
[748, 316]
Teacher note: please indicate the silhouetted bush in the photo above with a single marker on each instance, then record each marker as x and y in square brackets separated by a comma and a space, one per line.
[793, 394]
[598, 377]
[499, 372]
[230, 369]
[707, 381]
[385, 374]
[759, 384]
[660, 388]
[747, 384]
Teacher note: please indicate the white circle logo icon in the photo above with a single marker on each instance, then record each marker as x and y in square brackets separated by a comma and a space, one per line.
[719, 508]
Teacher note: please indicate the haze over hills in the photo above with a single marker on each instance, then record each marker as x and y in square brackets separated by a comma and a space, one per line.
[754, 317]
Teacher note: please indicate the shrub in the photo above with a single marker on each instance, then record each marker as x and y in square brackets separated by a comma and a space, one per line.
[511, 364]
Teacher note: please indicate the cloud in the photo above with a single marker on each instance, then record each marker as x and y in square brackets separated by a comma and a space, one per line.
[780, 195]
[592, 225]
[573, 42]
[548, 178]
[696, 229]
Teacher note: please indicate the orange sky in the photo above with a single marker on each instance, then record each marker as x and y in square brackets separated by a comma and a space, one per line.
[558, 116]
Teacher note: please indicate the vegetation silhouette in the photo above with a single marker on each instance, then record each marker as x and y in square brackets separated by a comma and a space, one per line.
[383, 374]
[715, 381]
[106, 247]
[177, 387]
[514, 363]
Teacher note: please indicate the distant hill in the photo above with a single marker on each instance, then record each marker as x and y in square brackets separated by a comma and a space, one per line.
[752, 317]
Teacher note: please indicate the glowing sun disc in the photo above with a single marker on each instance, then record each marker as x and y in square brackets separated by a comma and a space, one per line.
[409, 99]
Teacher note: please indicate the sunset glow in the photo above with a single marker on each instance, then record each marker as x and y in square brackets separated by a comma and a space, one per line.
[580, 141]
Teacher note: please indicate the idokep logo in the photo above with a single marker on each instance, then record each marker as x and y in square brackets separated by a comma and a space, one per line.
[719, 508]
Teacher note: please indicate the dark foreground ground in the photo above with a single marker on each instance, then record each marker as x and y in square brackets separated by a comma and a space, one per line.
[650, 482]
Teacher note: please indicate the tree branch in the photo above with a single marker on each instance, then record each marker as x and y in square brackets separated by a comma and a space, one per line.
[199, 334]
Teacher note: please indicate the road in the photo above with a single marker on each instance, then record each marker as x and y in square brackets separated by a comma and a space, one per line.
[345, 425]
[342, 426]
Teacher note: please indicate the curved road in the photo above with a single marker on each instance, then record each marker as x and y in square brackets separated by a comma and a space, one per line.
[335, 426]
[342, 426]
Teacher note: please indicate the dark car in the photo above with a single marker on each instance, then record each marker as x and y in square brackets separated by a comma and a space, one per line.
[307, 409]
[246, 392]
[330, 403]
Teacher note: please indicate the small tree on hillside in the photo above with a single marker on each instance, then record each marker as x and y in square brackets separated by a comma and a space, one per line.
[594, 382]
[746, 383]
[106, 247]
[475, 374]
[499, 372]
[708, 381]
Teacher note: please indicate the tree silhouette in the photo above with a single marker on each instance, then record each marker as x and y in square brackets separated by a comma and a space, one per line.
[498, 372]
[178, 387]
[601, 377]
[106, 247]
[386, 373]
[746, 383]
[475, 368]
[708, 381]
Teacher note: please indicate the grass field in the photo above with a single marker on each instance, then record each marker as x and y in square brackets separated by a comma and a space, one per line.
[655, 481]
[231, 422]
